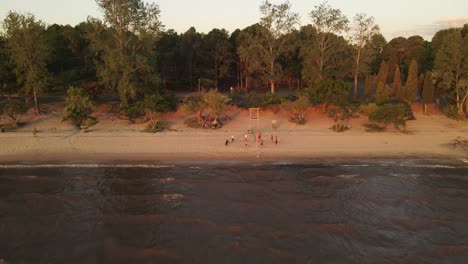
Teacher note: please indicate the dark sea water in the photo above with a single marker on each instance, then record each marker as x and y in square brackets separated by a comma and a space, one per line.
[235, 213]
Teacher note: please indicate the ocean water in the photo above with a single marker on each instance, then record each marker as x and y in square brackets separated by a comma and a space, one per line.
[382, 212]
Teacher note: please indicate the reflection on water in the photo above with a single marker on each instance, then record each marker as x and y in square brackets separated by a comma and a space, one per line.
[234, 214]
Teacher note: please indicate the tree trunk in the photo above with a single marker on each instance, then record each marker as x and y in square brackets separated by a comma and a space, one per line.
[272, 86]
[355, 85]
[424, 108]
[36, 103]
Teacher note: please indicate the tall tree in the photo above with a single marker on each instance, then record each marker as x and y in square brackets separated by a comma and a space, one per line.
[279, 20]
[338, 62]
[428, 91]
[29, 52]
[396, 86]
[327, 21]
[169, 59]
[128, 48]
[220, 53]
[383, 73]
[451, 65]
[363, 30]
[7, 76]
[252, 59]
[191, 43]
[410, 91]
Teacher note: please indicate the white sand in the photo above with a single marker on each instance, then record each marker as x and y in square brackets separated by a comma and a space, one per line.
[113, 140]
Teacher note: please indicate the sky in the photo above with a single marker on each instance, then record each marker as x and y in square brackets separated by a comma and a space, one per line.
[395, 18]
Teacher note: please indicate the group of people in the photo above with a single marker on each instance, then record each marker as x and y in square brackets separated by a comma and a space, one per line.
[258, 137]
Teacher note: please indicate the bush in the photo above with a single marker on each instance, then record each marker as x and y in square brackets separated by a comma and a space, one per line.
[90, 122]
[271, 99]
[389, 114]
[133, 111]
[160, 102]
[367, 109]
[329, 91]
[79, 106]
[451, 112]
[242, 99]
[297, 109]
[157, 126]
[12, 111]
[341, 116]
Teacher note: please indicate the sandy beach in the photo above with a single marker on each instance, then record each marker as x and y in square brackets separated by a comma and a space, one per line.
[119, 140]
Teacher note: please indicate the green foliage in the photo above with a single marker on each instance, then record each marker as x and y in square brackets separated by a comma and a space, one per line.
[382, 94]
[364, 29]
[409, 92]
[383, 73]
[428, 89]
[134, 110]
[297, 109]
[12, 111]
[329, 91]
[215, 103]
[367, 109]
[451, 112]
[329, 23]
[341, 116]
[451, 65]
[78, 106]
[159, 102]
[368, 88]
[271, 99]
[29, 51]
[278, 20]
[125, 42]
[242, 99]
[389, 114]
[90, 122]
[396, 86]
[194, 103]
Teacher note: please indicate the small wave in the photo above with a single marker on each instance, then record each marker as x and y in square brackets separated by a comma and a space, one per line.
[428, 166]
[404, 175]
[85, 166]
[350, 176]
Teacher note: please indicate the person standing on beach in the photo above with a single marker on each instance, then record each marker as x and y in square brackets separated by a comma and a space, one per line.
[272, 139]
[227, 142]
[245, 139]
[232, 139]
[276, 140]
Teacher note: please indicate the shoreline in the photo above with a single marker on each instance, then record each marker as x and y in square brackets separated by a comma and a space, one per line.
[117, 141]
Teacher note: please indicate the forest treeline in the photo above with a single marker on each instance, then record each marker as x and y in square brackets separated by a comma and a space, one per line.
[128, 54]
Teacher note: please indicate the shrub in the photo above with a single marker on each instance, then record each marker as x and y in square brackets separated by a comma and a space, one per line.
[329, 91]
[215, 103]
[341, 116]
[367, 109]
[157, 126]
[382, 94]
[389, 114]
[242, 99]
[12, 111]
[159, 102]
[271, 99]
[79, 106]
[451, 112]
[297, 109]
[133, 111]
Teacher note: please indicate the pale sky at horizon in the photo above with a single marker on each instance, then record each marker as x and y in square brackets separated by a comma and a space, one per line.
[395, 18]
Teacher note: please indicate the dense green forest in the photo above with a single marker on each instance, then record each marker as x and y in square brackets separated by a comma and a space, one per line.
[129, 55]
